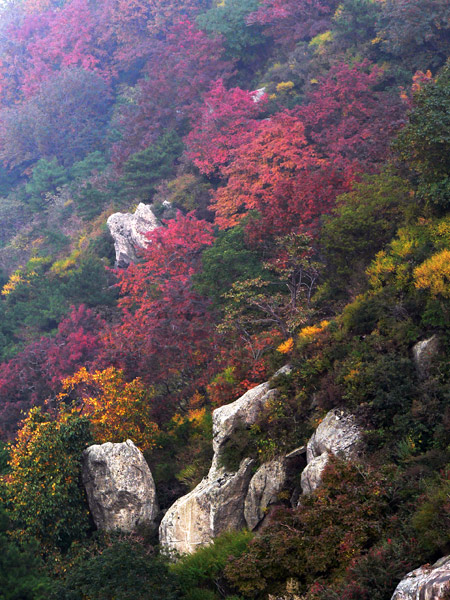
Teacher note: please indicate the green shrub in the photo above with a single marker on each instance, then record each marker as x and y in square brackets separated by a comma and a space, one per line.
[432, 517]
[200, 575]
[123, 570]
[240, 445]
[22, 575]
[44, 492]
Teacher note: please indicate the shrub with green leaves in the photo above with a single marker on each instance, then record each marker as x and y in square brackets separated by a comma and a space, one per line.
[424, 143]
[22, 573]
[200, 575]
[124, 569]
[44, 494]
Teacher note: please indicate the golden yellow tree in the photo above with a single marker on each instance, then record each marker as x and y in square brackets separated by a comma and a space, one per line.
[434, 275]
[118, 410]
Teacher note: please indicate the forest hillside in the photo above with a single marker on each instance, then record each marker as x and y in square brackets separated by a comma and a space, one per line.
[204, 203]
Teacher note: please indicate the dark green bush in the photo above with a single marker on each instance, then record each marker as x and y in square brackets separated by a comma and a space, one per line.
[200, 575]
[123, 570]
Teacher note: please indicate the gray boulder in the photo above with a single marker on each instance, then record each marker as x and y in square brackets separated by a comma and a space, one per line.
[243, 411]
[311, 476]
[214, 506]
[264, 489]
[337, 434]
[424, 352]
[129, 232]
[119, 486]
[425, 583]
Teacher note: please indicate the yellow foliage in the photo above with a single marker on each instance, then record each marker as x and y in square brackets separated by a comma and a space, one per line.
[286, 346]
[66, 265]
[119, 410]
[310, 332]
[319, 41]
[285, 86]
[338, 12]
[13, 282]
[196, 415]
[440, 233]
[434, 275]
[394, 266]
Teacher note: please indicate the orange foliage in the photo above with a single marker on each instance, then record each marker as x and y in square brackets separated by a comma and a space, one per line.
[118, 410]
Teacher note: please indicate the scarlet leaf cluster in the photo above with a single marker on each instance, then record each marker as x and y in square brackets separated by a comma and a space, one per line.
[227, 119]
[161, 312]
[35, 374]
[279, 175]
[179, 70]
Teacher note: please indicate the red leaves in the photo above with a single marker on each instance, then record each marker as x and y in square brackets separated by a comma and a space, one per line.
[166, 328]
[290, 21]
[54, 39]
[350, 122]
[278, 174]
[178, 72]
[227, 119]
[291, 167]
[35, 374]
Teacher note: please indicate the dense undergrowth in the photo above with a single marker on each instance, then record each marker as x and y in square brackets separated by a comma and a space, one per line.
[298, 155]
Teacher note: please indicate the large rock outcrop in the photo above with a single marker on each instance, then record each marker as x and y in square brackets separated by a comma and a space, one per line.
[218, 502]
[243, 411]
[129, 232]
[425, 583]
[337, 434]
[214, 506]
[119, 486]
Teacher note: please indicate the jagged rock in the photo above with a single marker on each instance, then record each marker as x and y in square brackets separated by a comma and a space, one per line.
[258, 94]
[243, 411]
[217, 503]
[265, 486]
[337, 434]
[129, 232]
[214, 506]
[425, 583]
[423, 353]
[119, 486]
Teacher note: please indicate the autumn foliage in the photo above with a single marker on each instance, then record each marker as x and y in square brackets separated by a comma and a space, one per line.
[35, 374]
[295, 154]
[118, 410]
[161, 312]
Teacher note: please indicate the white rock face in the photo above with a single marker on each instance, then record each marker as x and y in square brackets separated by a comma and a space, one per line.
[119, 486]
[337, 434]
[129, 232]
[425, 583]
[217, 503]
[424, 352]
[266, 484]
[243, 411]
[311, 476]
[214, 506]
